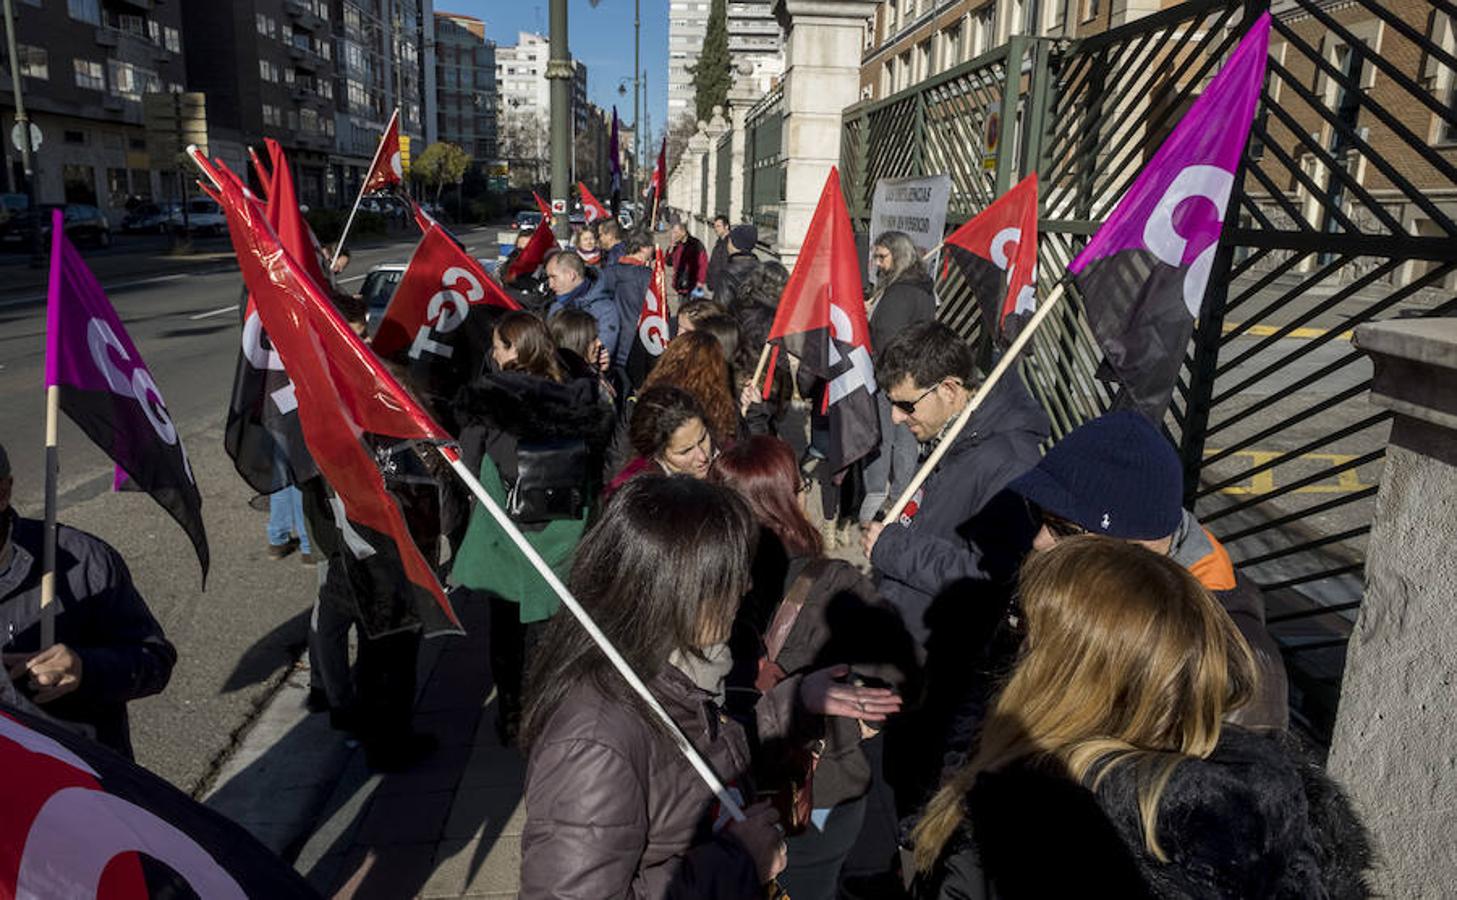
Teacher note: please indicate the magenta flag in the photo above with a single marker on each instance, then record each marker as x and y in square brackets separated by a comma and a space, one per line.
[1144, 273]
[107, 390]
[614, 156]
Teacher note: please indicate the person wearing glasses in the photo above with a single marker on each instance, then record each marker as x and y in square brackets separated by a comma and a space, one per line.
[1117, 476]
[949, 562]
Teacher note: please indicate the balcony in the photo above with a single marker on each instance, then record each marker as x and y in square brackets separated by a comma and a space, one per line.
[304, 14]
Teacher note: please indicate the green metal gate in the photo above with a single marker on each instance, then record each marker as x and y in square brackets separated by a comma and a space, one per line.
[1345, 211]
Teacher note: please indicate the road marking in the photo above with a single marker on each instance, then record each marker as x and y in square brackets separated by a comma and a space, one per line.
[1303, 334]
[1347, 482]
[209, 315]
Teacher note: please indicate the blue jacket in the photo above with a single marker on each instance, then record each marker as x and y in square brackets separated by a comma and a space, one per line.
[629, 284]
[592, 296]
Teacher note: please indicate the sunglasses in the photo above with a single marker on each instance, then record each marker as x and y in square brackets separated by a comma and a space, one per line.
[909, 406]
[1056, 525]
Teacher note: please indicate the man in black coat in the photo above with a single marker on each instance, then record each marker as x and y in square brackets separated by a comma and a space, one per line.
[741, 263]
[718, 259]
[109, 648]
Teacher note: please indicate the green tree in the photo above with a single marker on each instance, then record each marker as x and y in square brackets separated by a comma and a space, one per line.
[441, 164]
[711, 73]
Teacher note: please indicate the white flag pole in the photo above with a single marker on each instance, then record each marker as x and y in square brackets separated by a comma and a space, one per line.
[688, 750]
[348, 223]
[1002, 367]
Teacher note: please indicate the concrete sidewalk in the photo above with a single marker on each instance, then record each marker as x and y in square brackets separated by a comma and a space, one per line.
[450, 827]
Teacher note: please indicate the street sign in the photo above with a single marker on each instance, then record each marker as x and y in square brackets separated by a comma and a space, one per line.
[17, 137]
[993, 138]
[558, 207]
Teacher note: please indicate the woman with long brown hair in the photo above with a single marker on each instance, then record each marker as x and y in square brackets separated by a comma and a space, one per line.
[1107, 762]
[803, 612]
[695, 362]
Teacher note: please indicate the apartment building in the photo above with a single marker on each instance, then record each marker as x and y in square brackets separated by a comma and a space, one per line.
[687, 28]
[756, 45]
[84, 67]
[465, 85]
[523, 100]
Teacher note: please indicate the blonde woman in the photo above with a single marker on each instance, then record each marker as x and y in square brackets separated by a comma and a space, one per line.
[1106, 766]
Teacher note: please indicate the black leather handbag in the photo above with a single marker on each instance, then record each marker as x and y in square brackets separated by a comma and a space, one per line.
[551, 481]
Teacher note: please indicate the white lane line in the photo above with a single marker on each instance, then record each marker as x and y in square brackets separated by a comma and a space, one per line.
[159, 279]
[216, 312]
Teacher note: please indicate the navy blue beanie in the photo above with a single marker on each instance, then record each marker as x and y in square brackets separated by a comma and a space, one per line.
[1115, 475]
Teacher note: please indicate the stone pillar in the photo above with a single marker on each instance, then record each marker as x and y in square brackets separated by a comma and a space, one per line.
[715, 129]
[823, 42]
[742, 97]
[1395, 742]
[695, 153]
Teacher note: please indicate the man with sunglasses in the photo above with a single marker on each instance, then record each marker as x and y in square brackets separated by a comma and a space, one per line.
[1117, 476]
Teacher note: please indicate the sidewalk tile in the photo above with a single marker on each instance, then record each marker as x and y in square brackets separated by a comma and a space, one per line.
[387, 873]
[404, 819]
[476, 867]
[439, 772]
[485, 811]
[492, 766]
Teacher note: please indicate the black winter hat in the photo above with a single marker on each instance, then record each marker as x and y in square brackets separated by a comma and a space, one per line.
[1115, 475]
[743, 237]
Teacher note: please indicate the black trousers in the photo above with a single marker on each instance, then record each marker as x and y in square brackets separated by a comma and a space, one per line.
[511, 646]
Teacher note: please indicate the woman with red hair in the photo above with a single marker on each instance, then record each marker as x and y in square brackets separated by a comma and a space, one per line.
[806, 611]
[696, 363]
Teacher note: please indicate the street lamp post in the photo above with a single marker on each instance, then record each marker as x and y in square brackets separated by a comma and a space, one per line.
[560, 72]
[22, 122]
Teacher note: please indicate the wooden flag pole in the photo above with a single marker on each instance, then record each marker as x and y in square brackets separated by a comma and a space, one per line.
[48, 552]
[691, 753]
[1002, 367]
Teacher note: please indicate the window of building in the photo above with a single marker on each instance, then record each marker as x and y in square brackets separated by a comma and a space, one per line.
[74, 137]
[267, 70]
[142, 182]
[34, 62]
[116, 187]
[270, 115]
[89, 74]
[290, 75]
[923, 60]
[131, 81]
[172, 39]
[1090, 9]
[951, 47]
[85, 10]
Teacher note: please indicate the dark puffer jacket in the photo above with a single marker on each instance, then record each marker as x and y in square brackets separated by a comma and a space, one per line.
[613, 809]
[1254, 820]
[906, 301]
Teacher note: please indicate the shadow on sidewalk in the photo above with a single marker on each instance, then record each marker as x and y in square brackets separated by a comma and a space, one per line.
[449, 827]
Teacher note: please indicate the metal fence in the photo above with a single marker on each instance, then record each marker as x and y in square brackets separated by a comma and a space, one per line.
[764, 164]
[1343, 213]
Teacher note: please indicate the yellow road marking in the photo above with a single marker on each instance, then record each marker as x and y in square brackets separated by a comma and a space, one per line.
[1347, 482]
[1303, 334]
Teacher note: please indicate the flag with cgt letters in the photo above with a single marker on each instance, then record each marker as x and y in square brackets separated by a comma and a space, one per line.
[106, 389]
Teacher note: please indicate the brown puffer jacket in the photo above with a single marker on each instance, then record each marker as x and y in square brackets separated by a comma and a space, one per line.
[614, 810]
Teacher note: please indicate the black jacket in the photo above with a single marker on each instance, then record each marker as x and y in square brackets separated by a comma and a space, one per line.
[908, 300]
[731, 283]
[1254, 820]
[124, 654]
[966, 533]
[717, 262]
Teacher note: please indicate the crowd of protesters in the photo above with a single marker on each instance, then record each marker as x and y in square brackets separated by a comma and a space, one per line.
[1042, 678]
[1043, 675]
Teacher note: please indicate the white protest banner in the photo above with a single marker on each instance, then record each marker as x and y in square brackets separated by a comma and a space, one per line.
[916, 206]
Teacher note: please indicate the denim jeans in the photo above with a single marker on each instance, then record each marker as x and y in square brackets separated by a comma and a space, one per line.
[890, 470]
[286, 518]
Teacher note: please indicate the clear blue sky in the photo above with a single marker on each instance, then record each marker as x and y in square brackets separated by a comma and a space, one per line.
[600, 36]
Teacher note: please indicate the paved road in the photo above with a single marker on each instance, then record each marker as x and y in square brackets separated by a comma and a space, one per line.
[236, 637]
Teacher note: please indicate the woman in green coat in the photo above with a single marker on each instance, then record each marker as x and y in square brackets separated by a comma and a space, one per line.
[539, 425]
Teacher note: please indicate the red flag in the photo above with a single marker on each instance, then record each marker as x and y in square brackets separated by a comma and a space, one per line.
[821, 321]
[345, 398]
[530, 258]
[544, 207]
[423, 220]
[434, 297]
[143, 837]
[592, 210]
[660, 171]
[265, 177]
[997, 252]
[387, 169]
[651, 336]
[287, 219]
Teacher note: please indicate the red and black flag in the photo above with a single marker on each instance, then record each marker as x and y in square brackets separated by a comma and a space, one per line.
[349, 406]
[996, 252]
[592, 209]
[262, 435]
[81, 821]
[387, 169]
[438, 323]
[106, 389]
[542, 242]
[1143, 274]
[651, 336]
[821, 321]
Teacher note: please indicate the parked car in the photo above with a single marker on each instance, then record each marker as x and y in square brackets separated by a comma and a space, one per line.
[204, 217]
[526, 220]
[149, 217]
[83, 223]
[380, 284]
[385, 205]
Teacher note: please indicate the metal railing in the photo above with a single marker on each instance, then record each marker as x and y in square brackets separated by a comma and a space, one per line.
[764, 164]
[1343, 213]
